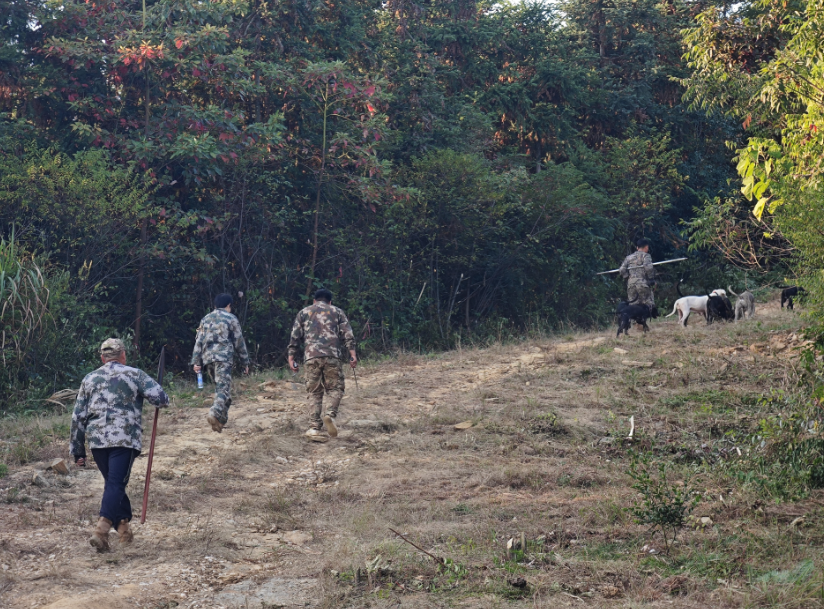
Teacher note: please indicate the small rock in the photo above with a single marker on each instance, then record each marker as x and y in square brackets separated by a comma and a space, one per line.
[281, 460]
[464, 425]
[38, 480]
[297, 538]
[59, 466]
[606, 440]
[620, 351]
[268, 386]
[611, 591]
[705, 521]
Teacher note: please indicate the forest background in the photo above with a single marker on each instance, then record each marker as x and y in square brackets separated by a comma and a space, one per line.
[452, 171]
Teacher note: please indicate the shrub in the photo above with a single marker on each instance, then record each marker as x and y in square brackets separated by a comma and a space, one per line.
[664, 505]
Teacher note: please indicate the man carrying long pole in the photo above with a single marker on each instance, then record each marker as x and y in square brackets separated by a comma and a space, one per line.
[637, 268]
[109, 411]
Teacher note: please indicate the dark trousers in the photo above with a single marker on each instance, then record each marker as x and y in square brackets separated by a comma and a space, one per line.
[116, 466]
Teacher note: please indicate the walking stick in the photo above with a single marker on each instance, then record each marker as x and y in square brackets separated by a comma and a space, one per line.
[355, 374]
[161, 368]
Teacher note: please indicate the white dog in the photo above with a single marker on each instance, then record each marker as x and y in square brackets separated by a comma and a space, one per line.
[689, 304]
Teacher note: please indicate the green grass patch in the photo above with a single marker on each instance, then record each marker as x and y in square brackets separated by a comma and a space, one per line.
[25, 437]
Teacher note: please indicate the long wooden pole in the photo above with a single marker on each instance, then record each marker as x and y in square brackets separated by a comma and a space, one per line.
[160, 369]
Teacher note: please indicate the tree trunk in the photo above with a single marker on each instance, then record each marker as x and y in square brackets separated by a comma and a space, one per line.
[317, 199]
[141, 271]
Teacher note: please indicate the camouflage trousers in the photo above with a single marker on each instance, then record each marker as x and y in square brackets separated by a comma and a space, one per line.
[222, 372]
[641, 293]
[323, 374]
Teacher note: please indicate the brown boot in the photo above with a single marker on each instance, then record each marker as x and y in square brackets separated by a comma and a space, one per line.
[100, 536]
[124, 532]
[216, 425]
[331, 428]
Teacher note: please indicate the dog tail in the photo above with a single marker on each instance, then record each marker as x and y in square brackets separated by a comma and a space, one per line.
[678, 289]
[674, 309]
[729, 289]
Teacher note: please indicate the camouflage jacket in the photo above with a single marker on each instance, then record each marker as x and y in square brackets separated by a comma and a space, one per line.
[325, 331]
[643, 272]
[109, 408]
[218, 339]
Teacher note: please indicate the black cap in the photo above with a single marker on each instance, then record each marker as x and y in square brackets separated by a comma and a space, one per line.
[222, 301]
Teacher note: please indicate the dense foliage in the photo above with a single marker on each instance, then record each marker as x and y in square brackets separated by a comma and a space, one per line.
[447, 168]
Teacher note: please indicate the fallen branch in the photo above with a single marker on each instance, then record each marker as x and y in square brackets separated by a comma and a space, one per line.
[577, 598]
[437, 559]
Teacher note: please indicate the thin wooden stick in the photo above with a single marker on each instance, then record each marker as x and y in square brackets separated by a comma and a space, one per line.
[437, 559]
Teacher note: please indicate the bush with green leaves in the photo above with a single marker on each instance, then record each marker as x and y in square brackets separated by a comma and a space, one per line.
[665, 504]
[783, 457]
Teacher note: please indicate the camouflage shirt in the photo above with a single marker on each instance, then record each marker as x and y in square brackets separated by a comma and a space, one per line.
[109, 408]
[325, 331]
[643, 272]
[218, 339]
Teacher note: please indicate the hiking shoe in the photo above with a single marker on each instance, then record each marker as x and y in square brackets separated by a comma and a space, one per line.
[329, 423]
[100, 537]
[216, 425]
[124, 532]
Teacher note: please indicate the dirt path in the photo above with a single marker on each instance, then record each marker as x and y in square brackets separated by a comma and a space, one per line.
[258, 517]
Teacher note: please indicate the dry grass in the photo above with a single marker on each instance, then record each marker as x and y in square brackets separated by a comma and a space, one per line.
[544, 458]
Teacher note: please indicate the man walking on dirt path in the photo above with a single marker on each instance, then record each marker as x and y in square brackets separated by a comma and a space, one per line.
[109, 410]
[638, 269]
[327, 335]
[219, 338]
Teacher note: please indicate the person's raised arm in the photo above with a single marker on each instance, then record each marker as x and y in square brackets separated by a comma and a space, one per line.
[649, 270]
[622, 270]
[152, 391]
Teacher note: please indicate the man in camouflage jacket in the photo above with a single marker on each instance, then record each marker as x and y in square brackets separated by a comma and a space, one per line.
[219, 339]
[638, 269]
[109, 412]
[328, 338]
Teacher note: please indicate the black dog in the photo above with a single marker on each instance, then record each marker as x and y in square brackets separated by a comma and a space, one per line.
[787, 295]
[719, 307]
[639, 313]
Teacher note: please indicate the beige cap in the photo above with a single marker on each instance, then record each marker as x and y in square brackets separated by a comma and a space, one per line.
[112, 347]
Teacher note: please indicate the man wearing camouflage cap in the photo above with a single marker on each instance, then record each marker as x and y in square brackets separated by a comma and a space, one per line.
[327, 335]
[109, 412]
[219, 338]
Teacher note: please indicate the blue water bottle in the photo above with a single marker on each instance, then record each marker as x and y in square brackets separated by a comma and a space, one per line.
[200, 380]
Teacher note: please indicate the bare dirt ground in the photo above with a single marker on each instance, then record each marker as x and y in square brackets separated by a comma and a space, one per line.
[260, 517]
